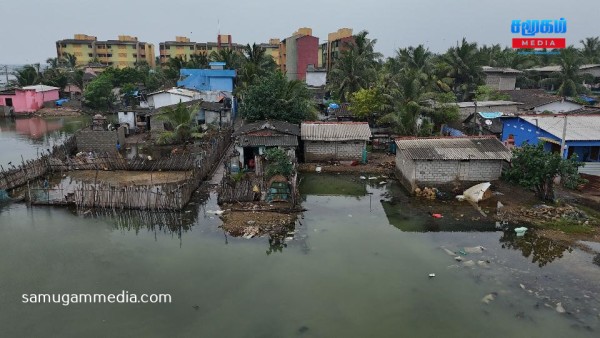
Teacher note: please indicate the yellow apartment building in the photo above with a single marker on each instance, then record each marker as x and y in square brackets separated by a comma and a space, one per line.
[127, 51]
[184, 48]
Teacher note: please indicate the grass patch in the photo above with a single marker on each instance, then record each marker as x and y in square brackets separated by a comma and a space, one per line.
[567, 226]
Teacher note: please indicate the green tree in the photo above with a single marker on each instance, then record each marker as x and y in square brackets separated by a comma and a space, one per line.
[366, 104]
[278, 163]
[486, 93]
[98, 93]
[255, 63]
[356, 68]
[27, 76]
[197, 61]
[231, 58]
[591, 49]
[274, 97]
[463, 66]
[534, 168]
[568, 79]
[182, 121]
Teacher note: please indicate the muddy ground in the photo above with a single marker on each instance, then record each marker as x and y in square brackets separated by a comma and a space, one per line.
[258, 219]
[129, 177]
[378, 163]
[58, 112]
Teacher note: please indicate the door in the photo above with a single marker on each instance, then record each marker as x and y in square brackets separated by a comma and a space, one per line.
[9, 102]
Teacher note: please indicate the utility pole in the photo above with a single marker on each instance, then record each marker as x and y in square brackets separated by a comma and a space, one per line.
[564, 135]
[6, 73]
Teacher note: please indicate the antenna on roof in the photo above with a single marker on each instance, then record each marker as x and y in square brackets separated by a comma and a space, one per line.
[218, 27]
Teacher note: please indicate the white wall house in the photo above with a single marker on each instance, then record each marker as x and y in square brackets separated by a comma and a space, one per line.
[172, 96]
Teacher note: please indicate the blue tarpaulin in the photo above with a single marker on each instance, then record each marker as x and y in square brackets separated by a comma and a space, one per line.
[491, 115]
[588, 99]
[61, 101]
[452, 132]
[4, 195]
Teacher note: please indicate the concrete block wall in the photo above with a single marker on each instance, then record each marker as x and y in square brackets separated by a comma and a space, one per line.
[97, 141]
[337, 151]
[448, 171]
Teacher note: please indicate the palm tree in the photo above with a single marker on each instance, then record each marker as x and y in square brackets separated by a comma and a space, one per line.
[356, 68]
[69, 60]
[591, 49]
[255, 63]
[568, 79]
[197, 61]
[464, 67]
[182, 119]
[229, 56]
[28, 75]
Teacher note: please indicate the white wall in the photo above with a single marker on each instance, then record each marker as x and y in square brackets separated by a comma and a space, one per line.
[166, 99]
[316, 79]
[127, 117]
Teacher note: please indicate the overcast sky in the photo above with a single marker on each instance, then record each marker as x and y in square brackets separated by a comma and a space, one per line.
[30, 28]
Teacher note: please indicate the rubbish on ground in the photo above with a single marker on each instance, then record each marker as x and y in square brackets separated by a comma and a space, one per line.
[483, 264]
[462, 252]
[488, 298]
[215, 212]
[522, 286]
[460, 198]
[449, 252]
[520, 231]
[436, 215]
[499, 205]
[478, 192]
[475, 249]
[458, 258]
[469, 264]
[428, 193]
[372, 177]
[363, 178]
[382, 182]
[431, 275]
[560, 308]
[318, 169]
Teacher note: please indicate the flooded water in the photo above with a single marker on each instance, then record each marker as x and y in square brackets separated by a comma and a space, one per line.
[29, 137]
[358, 266]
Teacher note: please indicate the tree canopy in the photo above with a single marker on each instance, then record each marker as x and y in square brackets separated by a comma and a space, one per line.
[534, 168]
[274, 97]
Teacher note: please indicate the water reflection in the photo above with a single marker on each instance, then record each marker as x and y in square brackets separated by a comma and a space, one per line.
[542, 250]
[332, 185]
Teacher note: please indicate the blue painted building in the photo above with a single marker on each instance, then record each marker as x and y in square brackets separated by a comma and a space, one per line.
[582, 133]
[214, 79]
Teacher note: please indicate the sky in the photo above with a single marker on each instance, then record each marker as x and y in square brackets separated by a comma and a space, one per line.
[30, 28]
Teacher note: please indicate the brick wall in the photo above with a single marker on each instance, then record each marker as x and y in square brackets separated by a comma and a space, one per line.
[448, 171]
[97, 141]
[337, 151]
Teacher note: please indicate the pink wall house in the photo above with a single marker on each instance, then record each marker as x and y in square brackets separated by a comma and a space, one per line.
[28, 99]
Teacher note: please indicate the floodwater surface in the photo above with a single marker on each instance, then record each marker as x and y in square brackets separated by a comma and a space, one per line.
[27, 138]
[358, 266]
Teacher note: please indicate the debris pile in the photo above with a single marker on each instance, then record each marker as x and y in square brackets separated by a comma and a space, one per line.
[427, 193]
[549, 213]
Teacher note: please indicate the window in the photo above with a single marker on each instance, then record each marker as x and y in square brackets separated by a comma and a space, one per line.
[134, 55]
[122, 46]
[90, 55]
[89, 46]
[167, 47]
[108, 46]
[109, 55]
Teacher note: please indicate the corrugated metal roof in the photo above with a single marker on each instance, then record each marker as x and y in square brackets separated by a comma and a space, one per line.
[335, 131]
[488, 69]
[280, 126]
[40, 88]
[453, 148]
[487, 103]
[579, 127]
[268, 141]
